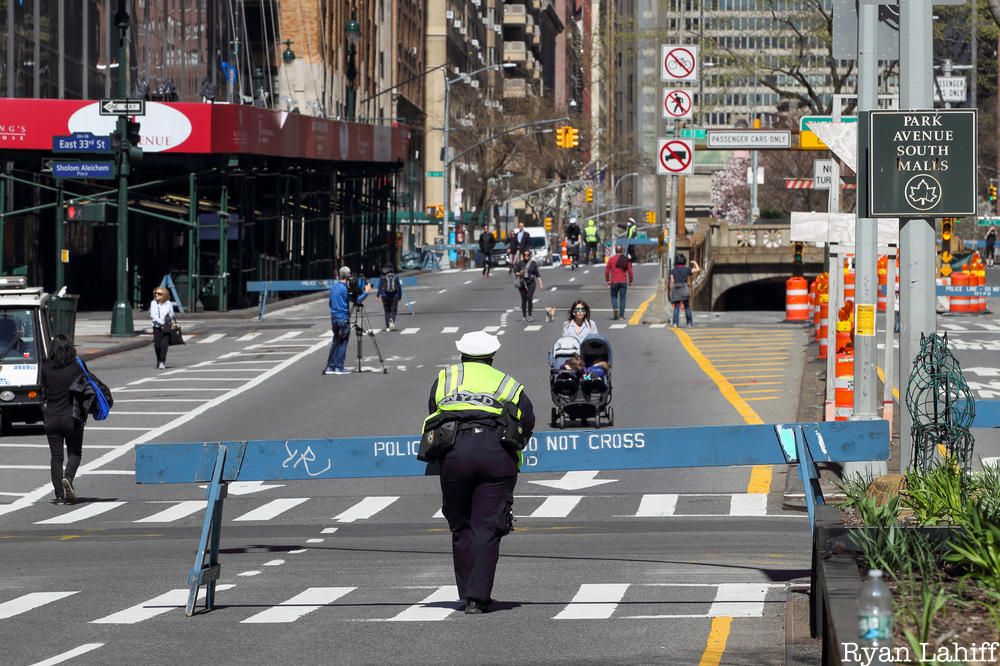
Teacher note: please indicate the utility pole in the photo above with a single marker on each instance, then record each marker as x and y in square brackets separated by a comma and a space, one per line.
[916, 235]
[121, 316]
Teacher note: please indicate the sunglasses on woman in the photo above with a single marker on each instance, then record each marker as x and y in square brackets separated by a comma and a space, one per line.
[583, 310]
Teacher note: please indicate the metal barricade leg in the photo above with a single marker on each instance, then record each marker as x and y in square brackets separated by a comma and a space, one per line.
[202, 573]
[809, 475]
[263, 301]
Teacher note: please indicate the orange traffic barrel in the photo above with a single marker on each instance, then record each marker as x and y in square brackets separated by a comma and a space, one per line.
[843, 387]
[848, 284]
[564, 254]
[796, 299]
[824, 318]
[813, 303]
[883, 278]
[980, 281]
[961, 302]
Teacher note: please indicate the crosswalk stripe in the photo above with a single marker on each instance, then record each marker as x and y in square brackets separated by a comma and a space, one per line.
[30, 601]
[366, 508]
[409, 331]
[176, 512]
[88, 511]
[617, 325]
[491, 329]
[657, 506]
[313, 598]
[739, 600]
[69, 654]
[593, 601]
[432, 609]
[288, 335]
[748, 504]
[533, 327]
[246, 337]
[156, 606]
[273, 508]
[449, 329]
[214, 337]
[558, 506]
[657, 325]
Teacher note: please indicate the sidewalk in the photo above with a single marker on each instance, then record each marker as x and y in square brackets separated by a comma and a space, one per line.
[93, 328]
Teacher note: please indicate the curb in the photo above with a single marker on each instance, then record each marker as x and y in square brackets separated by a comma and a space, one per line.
[116, 349]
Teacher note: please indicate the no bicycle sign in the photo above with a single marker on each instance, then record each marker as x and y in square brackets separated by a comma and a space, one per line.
[678, 63]
[675, 157]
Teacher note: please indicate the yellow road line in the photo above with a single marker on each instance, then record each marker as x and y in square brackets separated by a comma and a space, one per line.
[881, 378]
[773, 397]
[636, 317]
[757, 384]
[752, 377]
[760, 390]
[718, 635]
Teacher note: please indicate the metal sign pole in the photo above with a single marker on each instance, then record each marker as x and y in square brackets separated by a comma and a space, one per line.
[890, 352]
[916, 235]
[835, 296]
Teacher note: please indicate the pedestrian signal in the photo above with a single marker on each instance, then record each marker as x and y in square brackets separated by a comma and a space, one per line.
[946, 229]
[588, 194]
[561, 137]
[572, 137]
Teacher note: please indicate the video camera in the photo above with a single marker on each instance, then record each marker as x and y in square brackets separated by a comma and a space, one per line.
[355, 288]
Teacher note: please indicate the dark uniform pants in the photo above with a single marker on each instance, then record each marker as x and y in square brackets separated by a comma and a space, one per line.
[477, 483]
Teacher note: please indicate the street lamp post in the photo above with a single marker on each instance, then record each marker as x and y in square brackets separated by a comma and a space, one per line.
[447, 133]
[352, 31]
[121, 316]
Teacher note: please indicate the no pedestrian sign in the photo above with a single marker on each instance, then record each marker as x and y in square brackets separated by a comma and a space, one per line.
[678, 63]
[922, 163]
[677, 104]
[675, 157]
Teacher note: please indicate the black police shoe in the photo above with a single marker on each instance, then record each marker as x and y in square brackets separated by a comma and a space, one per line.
[475, 607]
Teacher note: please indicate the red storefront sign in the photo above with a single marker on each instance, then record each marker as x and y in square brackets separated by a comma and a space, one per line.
[169, 127]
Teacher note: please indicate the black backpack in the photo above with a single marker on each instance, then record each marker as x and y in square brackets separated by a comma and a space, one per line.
[391, 285]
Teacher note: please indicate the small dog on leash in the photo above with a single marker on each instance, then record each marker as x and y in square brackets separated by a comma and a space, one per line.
[550, 314]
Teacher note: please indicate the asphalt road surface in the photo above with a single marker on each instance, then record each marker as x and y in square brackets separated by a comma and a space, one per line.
[659, 566]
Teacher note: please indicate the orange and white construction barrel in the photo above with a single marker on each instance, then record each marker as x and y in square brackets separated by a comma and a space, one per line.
[796, 299]
[843, 387]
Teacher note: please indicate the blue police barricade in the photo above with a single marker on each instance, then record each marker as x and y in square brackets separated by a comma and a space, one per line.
[219, 463]
[986, 413]
[264, 288]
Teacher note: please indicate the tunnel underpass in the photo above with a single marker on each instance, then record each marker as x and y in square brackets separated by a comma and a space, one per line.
[766, 294]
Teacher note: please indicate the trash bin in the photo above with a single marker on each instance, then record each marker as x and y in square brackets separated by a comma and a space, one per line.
[62, 315]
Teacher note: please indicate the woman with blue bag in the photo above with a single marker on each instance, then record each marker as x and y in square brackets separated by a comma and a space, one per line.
[64, 416]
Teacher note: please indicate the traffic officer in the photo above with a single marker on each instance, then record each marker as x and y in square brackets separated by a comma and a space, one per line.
[592, 239]
[573, 242]
[479, 405]
[631, 233]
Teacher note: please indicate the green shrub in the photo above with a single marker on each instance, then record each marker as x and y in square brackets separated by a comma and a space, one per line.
[938, 496]
[976, 549]
[854, 488]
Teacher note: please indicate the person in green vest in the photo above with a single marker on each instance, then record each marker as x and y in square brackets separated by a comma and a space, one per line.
[631, 233]
[480, 419]
[591, 238]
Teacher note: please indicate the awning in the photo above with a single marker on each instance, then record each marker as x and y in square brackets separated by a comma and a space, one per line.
[188, 128]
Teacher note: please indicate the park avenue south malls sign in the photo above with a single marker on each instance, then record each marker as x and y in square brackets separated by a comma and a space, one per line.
[921, 163]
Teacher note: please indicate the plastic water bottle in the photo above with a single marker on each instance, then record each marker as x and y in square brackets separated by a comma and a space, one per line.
[875, 611]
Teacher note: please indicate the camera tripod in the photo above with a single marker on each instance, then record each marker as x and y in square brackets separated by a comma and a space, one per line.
[360, 316]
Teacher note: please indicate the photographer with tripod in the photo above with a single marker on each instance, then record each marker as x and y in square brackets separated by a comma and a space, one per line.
[343, 293]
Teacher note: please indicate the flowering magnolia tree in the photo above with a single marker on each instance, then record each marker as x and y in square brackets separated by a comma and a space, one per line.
[731, 192]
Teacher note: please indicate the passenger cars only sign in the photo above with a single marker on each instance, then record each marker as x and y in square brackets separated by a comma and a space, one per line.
[922, 163]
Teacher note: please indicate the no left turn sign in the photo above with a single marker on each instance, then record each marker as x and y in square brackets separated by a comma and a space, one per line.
[677, 104]
[678, 63]
[675, 157]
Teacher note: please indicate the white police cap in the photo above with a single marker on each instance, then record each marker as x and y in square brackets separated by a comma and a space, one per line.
[479, 343]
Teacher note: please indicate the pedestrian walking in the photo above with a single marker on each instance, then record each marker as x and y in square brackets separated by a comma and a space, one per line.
[579, 324]
[991, 246]
[480, 419]
[573, 242]
[340, 321]
[163, 316]
[679, 288]
[487, 241]
[389, 292]
[64, 416]
[591, 238]
[618, 275]
[526, 279]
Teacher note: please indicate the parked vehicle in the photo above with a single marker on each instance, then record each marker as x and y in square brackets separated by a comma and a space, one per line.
[24, 342]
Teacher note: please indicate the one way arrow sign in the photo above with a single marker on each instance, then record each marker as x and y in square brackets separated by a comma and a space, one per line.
[123, 107]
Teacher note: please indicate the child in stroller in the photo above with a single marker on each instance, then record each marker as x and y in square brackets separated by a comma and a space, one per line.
[580, 381]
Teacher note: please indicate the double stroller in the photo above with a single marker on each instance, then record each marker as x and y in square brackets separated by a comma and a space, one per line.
[580, 381]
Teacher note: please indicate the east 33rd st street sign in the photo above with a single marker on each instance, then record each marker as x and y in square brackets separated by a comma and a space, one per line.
[922, 163]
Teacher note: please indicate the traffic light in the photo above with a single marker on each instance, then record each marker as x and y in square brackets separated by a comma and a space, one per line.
[797, 249]
[561, 136]
[132, 136]
[650, 217]
[572, 137]
[588, 194]
[993, 192]
[946, 229]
